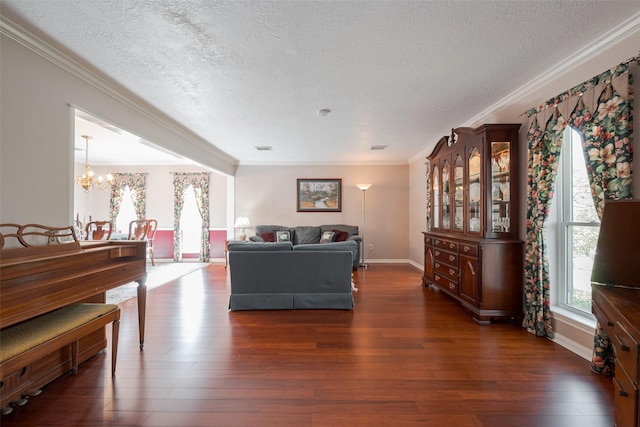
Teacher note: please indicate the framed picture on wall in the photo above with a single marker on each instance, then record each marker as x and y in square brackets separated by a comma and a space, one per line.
[319, 195]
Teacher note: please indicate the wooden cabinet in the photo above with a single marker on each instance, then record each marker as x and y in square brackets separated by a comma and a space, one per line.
[615, 286]
[618, 312]
[471, 248]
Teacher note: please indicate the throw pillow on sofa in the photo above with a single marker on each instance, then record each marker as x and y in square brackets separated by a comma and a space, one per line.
[283, 236]
[268, 237]
[341, 235]
[327, 237]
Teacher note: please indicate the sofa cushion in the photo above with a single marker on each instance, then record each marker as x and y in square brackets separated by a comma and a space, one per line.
[341, 236]
[304, 234]
[268, 237]
[238, 246]
[327, 237]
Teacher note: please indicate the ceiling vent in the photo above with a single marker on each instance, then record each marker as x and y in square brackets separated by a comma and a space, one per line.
[264, 147]
[378, 147]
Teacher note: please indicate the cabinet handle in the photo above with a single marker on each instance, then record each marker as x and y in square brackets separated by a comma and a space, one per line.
[466, 248]
[623, 393]
[437, 277]
[452, 286]
[437, 265]
[437, 242]
[437, 253]
[452, 271]
[610, 323]
[624, 347]
[452, 258]
[452, 245]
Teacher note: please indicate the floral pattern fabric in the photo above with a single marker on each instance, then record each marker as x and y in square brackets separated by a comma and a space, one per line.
[137, 184]
[200, 184]
[600, 110]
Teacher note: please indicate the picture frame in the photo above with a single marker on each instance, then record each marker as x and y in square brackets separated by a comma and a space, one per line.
[319, 195]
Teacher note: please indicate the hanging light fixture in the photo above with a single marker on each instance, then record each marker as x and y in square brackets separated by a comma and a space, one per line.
[88, 180]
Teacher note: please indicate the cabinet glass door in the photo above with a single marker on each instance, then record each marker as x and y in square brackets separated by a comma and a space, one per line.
[446, 195]
[500, 186]
[435, 180]
[475, 189]
[458, 195]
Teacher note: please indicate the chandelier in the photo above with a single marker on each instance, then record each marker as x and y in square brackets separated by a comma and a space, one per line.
[88, 180]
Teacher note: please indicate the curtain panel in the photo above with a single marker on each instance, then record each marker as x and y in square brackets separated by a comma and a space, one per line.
[200, 184]
[600, 111]
[137, 185]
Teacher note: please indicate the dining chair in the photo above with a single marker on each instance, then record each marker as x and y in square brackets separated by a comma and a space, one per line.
[138, 229]
[152, 225]
[98, 230]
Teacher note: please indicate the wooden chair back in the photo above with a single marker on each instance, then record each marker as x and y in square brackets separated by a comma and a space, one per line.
[99, 230]
[138, 229]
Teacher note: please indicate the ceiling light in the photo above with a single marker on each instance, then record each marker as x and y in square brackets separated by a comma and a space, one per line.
[324, 112]
[88, 180]
[378, 147]
[264, 147]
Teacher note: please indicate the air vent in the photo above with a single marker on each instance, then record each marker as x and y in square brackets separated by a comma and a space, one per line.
[264, 147]
[378, 147]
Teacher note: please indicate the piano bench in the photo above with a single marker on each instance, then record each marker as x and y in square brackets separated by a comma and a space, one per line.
[26, 342]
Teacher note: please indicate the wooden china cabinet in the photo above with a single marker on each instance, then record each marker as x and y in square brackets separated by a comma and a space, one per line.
[471, 249]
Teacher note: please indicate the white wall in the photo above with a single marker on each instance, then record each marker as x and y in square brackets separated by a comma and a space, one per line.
[267, 195]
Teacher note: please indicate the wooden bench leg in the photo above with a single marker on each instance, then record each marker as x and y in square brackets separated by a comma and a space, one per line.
[74, 355]
[115, 331]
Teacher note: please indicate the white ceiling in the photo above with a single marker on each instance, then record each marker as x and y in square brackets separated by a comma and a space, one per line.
[242, 74]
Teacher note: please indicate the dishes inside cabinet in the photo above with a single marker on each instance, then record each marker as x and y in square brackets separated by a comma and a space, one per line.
[474, 192]
[474, 224]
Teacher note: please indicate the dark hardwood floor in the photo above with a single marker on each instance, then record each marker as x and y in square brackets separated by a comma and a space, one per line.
[405, 356]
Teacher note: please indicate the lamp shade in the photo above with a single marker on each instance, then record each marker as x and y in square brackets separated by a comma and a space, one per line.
[242, 222]
[363, 187]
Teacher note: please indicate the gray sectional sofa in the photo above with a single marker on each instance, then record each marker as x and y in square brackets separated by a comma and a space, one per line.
[302, 235]
[281, 276]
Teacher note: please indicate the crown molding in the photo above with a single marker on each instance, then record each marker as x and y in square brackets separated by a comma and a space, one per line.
[619, 33]
[323, 163]
[92, 77]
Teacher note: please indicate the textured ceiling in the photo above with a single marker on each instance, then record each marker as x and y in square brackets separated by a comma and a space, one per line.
[255, 73]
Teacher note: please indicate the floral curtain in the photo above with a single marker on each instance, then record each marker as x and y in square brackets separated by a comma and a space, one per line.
[137, 185]
[200, 183]
[600, 110]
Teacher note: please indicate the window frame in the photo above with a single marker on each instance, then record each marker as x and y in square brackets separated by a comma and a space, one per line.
[564, 231]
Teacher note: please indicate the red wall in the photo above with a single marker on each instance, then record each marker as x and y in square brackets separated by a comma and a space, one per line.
[163, 244]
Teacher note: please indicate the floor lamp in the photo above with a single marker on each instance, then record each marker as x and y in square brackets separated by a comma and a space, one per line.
[364, 188]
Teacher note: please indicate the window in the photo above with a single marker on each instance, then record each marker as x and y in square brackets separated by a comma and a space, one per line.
[190, 223]
[127, 212]
[578, 227]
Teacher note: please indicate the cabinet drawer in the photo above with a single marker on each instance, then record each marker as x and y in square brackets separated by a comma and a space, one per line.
[625, 399]
[445, 283]
[626, 351]
[608, 325]
[603, 312]
[446, 270]
[469, 250]
[446, 257]
[448, 245]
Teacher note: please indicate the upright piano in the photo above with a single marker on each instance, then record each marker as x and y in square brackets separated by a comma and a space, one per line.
[55, 271]
[615, 285]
